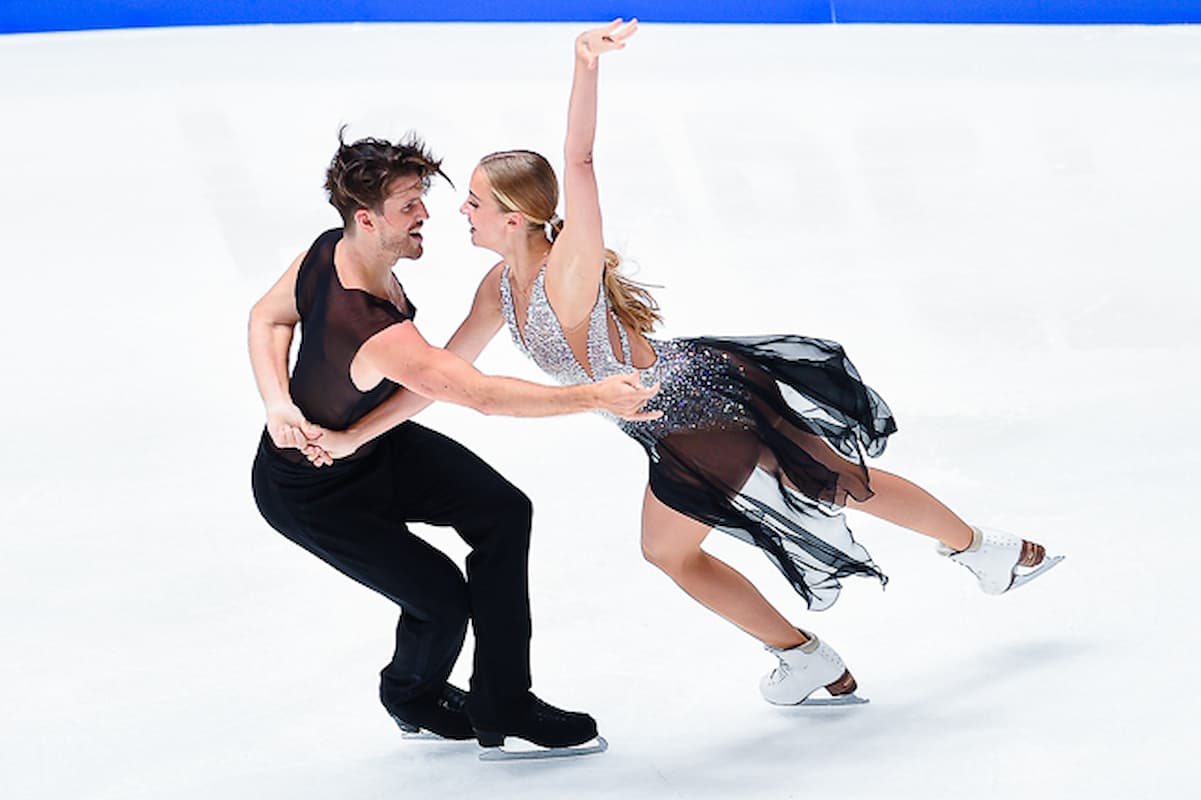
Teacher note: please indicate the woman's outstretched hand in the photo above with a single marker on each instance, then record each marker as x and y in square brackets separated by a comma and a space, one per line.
[590, 44]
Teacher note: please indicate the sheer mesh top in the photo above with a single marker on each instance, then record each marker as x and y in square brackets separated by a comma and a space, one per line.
[334, 323]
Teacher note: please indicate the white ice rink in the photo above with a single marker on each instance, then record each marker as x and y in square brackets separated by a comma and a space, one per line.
[1000, 224]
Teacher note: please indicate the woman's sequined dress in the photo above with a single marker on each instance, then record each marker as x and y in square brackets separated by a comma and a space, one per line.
[761, 437]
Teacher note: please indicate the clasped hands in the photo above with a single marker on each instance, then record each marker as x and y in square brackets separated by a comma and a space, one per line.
[288, 428]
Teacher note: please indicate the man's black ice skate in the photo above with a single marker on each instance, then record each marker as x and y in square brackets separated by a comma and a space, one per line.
[442, 713]
[556, 732]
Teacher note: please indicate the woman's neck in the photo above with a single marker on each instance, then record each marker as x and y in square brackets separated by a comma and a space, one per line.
[526, 257]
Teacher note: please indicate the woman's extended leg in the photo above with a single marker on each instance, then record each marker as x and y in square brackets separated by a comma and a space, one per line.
[672, 542]
[906, 504]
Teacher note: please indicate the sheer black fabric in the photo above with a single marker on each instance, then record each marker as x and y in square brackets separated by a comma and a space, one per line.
[765, 438]
[334, 323]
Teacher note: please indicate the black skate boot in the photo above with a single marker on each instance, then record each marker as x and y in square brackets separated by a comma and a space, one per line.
[442, 713]
[559, 732]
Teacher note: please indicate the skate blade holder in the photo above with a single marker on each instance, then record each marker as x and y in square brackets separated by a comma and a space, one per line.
[411, 732]
[851, 699]
[1022, 578]
[532, 752]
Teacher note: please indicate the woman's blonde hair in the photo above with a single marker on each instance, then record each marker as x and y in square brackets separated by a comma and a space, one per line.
[524, 181]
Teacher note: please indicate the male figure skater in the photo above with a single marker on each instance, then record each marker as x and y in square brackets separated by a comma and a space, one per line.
[358, 346]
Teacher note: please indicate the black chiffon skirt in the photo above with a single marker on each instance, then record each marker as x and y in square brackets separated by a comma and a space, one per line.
[765, 438]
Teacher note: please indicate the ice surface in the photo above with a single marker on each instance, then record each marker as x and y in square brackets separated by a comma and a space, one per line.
[1000, 224]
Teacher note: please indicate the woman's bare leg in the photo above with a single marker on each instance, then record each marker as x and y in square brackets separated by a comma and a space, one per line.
[910, 506]
[672, 542]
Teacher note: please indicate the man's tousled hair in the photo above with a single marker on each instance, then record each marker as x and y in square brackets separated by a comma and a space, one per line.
[360, 172]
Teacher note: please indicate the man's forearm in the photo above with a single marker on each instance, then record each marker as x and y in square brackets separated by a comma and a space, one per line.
[401, 406]
[270, 345]
[403, 356]
[452, 380]
[513, 397]
[497, 395]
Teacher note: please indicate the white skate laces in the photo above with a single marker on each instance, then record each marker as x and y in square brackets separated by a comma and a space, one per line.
[803, 670]
[995, 558]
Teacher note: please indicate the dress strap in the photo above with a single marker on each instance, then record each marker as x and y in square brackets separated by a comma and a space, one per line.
[626, 358]
[509, 312]
[505, 295]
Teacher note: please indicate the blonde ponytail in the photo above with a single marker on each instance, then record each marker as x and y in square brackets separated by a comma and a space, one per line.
[631, 301]
[524, 181]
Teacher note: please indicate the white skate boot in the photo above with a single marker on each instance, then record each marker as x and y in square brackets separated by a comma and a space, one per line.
[994, 557]
[803, 670]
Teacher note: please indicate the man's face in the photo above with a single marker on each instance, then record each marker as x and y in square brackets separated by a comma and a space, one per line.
[403, 213]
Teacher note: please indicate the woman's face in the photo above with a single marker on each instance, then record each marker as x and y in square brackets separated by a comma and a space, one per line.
[486, 216]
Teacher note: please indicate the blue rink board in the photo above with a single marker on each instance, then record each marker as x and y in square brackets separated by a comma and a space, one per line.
[26, 16]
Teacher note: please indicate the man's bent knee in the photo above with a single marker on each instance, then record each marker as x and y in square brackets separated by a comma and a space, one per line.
[501, 516]
[516, 506]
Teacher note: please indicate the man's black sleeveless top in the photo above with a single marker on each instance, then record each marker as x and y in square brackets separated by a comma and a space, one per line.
[334, 323]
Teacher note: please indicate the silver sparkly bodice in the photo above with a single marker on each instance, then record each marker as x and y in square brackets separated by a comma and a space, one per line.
[698, 389]
[546, 344]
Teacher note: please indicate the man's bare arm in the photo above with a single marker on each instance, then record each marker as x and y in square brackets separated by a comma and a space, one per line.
[273, 321]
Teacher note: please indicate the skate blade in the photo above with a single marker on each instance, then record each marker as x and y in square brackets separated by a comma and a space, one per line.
[1021, 579]
[501, 754]
[851, 699]
[408, 729]
[411, 732]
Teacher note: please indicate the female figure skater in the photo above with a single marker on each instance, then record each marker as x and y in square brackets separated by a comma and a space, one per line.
[761, 437]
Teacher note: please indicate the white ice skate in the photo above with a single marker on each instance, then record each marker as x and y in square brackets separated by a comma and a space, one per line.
[995, 558]
[803, 670]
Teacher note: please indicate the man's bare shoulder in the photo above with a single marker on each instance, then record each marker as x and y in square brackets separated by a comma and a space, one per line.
[400, 337]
